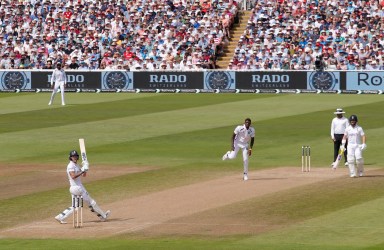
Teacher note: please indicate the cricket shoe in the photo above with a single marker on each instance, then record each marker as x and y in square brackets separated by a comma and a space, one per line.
[107, 213]
[361, 173]
[346, 164]
[353, 176]
[49, 103]
[245, 177]
[58, 218]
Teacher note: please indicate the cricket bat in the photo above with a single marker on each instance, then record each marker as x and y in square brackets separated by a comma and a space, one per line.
[82, 150]
[338, 159]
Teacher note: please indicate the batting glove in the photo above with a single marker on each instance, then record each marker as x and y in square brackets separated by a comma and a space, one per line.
[85, 167]
[363, 146]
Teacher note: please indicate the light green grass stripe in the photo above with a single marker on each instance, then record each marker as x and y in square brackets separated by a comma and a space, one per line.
[133, 128]
[352, 228]
[28, 102]
[39, 101]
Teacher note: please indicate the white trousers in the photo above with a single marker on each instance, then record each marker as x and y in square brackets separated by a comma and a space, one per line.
[80, 190]
[355, 159]
[55, 89]
[232, 155]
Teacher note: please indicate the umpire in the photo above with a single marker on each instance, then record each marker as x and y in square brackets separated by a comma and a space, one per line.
[338, 126]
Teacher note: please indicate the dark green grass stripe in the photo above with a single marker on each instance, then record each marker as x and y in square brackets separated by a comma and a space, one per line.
[109, 110]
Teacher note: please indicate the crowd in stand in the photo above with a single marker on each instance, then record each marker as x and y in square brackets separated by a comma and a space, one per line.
[114, 34]
[293, 34]
[191, 34]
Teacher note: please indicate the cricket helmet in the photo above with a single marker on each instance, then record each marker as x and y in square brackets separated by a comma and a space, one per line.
[353, 118]
[73, 153]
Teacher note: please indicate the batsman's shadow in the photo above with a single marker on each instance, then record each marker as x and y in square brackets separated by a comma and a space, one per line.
[266, 178]
[373, 176]
[111, 220]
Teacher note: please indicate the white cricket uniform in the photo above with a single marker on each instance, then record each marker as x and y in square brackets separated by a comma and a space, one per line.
[354, 134]
[77, 188]
[242, 139]
[58, 78]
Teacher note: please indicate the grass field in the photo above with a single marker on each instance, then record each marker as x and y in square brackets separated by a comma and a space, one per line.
[179, 139]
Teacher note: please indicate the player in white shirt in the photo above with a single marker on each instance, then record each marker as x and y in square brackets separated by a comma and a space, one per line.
[356, 144]
[58, 80]
[75, 173]
[243, 138]
[338, 126]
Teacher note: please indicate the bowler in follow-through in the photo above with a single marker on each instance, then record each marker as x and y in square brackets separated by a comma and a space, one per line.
[242, 138]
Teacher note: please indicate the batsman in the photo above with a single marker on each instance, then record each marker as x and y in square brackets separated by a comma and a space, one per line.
[75, 173]
[356, 145]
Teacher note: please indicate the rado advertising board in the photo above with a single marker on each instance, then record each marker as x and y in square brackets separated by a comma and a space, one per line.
[271, 80]
[168, 80]
[75, 79]
[365, 81]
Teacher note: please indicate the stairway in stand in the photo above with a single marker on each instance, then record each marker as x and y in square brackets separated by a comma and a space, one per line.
[237, 30]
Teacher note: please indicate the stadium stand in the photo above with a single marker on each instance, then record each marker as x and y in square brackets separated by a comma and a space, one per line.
[300, 34]
[192, 34]
[115, 34]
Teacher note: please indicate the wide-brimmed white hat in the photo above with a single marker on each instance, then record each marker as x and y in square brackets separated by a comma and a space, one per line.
[339, 111]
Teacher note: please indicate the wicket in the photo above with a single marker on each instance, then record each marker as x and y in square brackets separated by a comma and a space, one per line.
[305, 158]
[77, 204]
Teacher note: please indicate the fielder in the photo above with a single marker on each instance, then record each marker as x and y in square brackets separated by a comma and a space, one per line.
[75, 173]
[58, 80]
[356, 144]
[243, 138]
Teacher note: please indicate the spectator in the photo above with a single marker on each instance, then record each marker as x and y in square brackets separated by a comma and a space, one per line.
[73, 64]
[324, 28]
[48, 65]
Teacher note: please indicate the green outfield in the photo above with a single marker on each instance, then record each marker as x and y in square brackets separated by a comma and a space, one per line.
[179, 139]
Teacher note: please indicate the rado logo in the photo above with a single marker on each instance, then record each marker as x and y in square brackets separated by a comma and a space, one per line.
[71, 78]
[368, 79]
[270, 78]
[167, 78]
